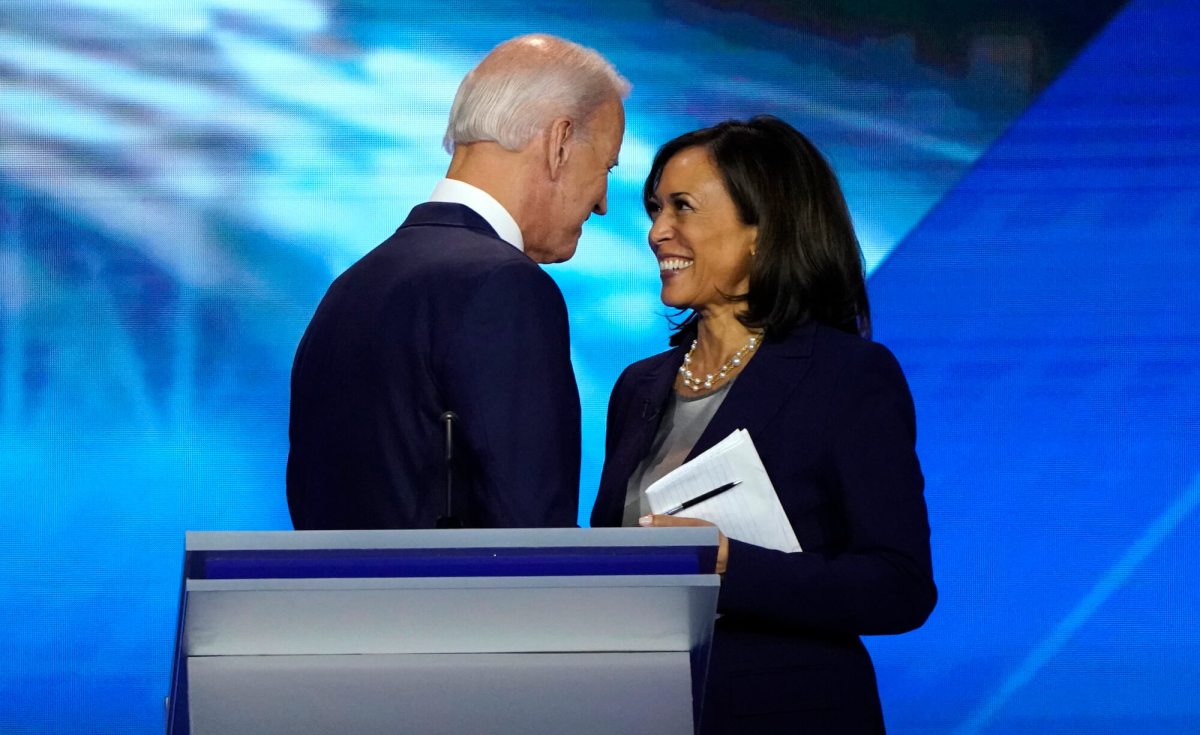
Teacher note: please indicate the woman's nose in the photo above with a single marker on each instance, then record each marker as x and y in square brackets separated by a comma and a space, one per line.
[660, 230]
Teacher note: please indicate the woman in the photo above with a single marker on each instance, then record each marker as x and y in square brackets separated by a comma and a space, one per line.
[753, 238]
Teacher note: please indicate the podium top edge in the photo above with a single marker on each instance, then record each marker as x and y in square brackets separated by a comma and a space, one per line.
[385, 584]
[451, 538]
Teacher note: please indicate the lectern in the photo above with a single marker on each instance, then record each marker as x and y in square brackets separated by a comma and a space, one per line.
[581, 631]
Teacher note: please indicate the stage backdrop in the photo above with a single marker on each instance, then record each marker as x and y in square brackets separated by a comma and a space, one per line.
[180, 182]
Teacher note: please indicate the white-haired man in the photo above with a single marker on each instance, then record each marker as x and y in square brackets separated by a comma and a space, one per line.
[452, 313]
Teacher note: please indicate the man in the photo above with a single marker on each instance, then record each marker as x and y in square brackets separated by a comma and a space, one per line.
[452, 313]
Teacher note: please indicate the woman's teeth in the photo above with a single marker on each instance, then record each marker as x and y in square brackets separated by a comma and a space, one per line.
[674, 264]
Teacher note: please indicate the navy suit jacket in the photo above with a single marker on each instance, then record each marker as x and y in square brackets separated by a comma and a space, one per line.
[443, 315]
[832, 419]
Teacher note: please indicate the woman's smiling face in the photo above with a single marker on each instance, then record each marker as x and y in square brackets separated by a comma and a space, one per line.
[702, 245]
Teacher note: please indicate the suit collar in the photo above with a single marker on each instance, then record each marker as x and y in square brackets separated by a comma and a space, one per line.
[449, 214]
[483, 204]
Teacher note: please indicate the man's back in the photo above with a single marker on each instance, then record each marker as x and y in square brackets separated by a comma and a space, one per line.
[441, 316]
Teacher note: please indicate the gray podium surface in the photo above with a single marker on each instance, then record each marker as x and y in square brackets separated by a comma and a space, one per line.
[588, 653]
[627, 693]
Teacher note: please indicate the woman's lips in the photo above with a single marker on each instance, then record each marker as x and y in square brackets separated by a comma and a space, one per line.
[670, 266]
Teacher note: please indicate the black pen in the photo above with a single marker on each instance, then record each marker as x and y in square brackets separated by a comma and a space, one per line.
[701, 498]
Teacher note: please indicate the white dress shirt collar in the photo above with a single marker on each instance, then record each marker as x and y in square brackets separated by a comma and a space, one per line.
[483, 204]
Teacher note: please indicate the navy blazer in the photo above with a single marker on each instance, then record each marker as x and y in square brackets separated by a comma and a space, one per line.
[832, 419]
[443, 315]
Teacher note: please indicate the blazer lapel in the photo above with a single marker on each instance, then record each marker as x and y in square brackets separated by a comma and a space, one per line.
[651, 394]
[648, 397]
[762, 388]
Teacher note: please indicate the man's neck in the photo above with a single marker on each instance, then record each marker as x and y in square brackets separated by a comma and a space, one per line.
[483, 204]
[499, 172]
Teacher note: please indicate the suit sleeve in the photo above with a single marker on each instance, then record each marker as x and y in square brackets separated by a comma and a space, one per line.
[883, 582]
[509, 377]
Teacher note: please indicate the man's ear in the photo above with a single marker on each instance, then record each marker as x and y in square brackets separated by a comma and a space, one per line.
[560, 133]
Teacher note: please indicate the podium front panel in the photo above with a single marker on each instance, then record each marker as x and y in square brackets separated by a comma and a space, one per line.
[498, 694]
[460, 615]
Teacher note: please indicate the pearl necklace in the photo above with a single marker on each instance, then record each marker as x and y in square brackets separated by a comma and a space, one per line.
[711, 379]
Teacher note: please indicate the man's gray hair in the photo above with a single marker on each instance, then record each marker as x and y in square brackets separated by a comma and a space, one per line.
[526, 82]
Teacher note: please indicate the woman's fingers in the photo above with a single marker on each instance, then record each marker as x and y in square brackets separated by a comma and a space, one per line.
[663, 521]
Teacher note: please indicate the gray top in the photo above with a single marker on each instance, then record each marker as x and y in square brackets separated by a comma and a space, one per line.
[683, 421]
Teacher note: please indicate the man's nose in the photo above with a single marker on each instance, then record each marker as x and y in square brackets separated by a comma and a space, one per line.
[601, 207]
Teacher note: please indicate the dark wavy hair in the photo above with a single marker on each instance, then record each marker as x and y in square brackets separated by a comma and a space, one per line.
[808, 263]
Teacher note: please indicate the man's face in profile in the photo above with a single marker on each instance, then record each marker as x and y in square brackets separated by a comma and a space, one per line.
[583, 187]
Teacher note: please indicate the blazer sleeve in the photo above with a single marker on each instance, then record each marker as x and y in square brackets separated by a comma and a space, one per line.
[509, 377]
[883, 581]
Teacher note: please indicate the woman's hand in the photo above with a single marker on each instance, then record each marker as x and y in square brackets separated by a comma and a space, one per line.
[664, 521]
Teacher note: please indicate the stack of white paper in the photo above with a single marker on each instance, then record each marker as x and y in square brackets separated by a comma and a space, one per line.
[749, 512]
